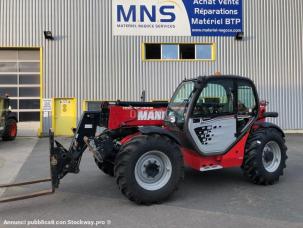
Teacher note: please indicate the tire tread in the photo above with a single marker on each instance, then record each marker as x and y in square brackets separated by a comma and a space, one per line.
[251, 166]
[124, 156]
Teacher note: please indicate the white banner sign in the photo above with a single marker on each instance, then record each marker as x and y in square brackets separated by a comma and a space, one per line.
[177, 17]
[152, 17]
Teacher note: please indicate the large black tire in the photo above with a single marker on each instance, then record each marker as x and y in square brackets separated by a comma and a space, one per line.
[130, 155]
[253, 165]
[10, 130]
[106, 167]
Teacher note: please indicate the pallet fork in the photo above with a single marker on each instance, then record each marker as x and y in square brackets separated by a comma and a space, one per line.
[62, 161]
[51, 179]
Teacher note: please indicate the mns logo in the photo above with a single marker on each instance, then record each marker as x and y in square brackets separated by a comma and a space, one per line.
[141, 13]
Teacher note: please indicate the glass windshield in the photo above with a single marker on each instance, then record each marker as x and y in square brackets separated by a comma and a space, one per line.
[180, 100]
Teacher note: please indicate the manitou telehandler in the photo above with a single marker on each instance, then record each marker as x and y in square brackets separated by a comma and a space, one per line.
[8, 120]
[210, 123]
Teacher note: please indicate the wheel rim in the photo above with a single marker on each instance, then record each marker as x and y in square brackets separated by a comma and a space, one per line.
[271, 156]
[13, 130]
[153, 170]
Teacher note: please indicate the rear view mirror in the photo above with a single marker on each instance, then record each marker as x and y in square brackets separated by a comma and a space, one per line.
[270, 114]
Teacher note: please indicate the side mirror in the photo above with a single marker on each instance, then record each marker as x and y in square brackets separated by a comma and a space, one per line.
[270, 114]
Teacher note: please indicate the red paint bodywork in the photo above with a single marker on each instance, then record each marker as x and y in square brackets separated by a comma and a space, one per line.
[233, 158]
[128, 138]
[122, 116]
[262, 109]
[128, 116]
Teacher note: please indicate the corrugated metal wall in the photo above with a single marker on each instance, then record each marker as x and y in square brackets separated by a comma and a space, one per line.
[87, 62]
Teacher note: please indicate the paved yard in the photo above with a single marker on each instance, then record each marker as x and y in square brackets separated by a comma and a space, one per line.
[221, 198]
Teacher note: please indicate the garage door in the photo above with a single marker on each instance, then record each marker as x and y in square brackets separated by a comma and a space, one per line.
[20, 79]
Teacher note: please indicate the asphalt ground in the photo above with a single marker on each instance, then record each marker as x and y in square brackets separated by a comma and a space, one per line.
[221, 198]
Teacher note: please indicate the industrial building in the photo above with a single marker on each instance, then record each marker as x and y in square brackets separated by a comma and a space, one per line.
[114, 49]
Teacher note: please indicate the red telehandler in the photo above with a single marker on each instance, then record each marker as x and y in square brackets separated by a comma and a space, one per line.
[211, 122]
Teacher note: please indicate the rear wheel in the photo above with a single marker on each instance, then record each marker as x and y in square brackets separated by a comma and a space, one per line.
[10, 130]
[149, 168]
[265, 156]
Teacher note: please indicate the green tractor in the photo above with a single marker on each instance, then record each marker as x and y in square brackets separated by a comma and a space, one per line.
[8, 120]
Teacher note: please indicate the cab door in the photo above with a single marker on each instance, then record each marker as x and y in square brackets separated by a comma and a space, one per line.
[247, 108]
[212, 122]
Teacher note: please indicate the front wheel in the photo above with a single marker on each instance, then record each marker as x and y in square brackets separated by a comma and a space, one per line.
[149, 168]
[265, 156]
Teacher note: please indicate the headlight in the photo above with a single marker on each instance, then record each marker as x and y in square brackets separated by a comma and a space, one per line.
[171, 118]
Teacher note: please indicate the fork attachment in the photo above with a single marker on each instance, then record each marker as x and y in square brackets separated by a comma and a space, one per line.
[33, 194]
[62, 161]
[52, 179]
[27, 196]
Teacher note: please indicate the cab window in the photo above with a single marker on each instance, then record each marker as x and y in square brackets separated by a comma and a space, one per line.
[217, 98]
[246, 98]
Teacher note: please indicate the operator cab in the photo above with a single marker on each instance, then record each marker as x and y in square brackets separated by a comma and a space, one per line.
[210, 114]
